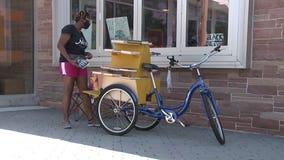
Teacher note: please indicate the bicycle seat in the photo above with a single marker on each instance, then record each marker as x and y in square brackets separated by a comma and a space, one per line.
[150, 67]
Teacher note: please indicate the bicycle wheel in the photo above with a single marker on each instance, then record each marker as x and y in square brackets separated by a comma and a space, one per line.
[145, 122]
[213, 117]
[117, 110]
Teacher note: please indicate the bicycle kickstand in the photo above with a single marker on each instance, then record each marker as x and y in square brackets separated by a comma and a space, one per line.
[181, 123]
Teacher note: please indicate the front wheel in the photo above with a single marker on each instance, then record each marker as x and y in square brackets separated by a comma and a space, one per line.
[213, 117]
[117, 110]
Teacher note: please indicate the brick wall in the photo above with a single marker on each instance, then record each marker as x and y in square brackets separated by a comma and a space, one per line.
[50, 86]
[249, 99]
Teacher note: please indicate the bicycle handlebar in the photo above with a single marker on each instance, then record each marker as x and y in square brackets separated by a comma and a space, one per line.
[173, 61]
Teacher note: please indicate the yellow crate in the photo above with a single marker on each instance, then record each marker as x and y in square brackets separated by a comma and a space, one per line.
[125, 68]
[132, 56]
[140, 86]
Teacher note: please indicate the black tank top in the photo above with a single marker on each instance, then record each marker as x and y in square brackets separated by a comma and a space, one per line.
[77, 43]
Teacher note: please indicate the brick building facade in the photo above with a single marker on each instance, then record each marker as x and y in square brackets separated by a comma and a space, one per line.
[250, 99]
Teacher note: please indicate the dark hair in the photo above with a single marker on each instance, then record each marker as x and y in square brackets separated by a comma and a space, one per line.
[82, 14]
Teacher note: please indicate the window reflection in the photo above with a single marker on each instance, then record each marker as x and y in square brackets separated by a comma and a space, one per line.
[159, 22]
[16, 47]
[90, 6]
[118, 8]
[207, 22]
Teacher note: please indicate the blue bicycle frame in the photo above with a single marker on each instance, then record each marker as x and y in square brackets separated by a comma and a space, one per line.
[172, 113]
[182, 107]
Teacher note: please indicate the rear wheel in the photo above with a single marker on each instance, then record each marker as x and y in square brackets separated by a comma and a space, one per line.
[117, 111]
[145, 122]
[213, 118]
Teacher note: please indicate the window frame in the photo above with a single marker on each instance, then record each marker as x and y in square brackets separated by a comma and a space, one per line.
[234, 55]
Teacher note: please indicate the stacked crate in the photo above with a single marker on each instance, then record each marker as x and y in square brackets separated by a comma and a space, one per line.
[125, 68]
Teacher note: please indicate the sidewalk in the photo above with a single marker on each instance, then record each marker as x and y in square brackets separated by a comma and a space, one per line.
[29, 134]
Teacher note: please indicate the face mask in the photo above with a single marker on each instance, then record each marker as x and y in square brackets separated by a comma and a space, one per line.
[87, 24]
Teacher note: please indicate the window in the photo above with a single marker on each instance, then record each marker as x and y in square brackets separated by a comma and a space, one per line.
[16, 47]
[206, 23]
[90, 6]
[187, 28]
[117, 8]
[159, 22]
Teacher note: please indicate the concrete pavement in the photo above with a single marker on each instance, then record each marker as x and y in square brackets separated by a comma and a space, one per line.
[28, 134]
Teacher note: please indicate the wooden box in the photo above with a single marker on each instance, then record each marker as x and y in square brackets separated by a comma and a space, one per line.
[130, 55]
[141, 86]
[125, 68]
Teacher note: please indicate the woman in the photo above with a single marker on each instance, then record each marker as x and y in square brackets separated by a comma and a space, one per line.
[72, 44]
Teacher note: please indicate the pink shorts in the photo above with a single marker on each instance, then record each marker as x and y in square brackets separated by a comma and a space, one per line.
[67, 69]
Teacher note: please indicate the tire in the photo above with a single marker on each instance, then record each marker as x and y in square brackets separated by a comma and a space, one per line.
[213, 117]
[117, 109]
[145, 122]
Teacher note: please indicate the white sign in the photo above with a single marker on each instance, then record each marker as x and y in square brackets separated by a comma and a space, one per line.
[215, 39]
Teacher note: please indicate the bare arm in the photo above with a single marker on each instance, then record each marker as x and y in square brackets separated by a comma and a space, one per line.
[64, 37]
[89, 55]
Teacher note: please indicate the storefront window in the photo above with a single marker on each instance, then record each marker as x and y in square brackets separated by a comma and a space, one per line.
[207, 22]
[118, 21]
[16, 47]
[90, 6]
[187, 28]
[159, 22]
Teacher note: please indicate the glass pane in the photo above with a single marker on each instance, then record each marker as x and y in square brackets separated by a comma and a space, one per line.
[119, 21]
[207, 22]
[90, 6]
[16, 47]
[159, 22]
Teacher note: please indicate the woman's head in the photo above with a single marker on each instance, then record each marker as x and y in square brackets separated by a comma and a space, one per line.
[83, 17]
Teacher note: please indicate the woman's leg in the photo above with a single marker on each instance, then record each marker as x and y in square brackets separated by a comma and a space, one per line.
[68, 89]
[81, 82]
